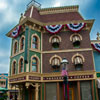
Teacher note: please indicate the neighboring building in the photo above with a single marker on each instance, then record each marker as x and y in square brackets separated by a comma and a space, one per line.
[3, 85]
[96, 53]
[36, 53]
[3, 80]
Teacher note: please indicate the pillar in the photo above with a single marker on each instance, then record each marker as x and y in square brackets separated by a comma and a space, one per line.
[78, 88]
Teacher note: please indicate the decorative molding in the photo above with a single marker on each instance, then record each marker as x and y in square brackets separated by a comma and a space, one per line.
[51, 77]
[54, 10]
[80, 55]
[50, 39]
[75, 34]
[55, 56]
[68, 50]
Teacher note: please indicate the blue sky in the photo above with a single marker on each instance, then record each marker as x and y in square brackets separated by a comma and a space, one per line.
[10, 11]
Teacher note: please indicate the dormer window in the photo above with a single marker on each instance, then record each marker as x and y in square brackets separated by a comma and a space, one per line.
[55, 41]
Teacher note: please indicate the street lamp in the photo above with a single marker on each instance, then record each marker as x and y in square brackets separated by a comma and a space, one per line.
[64, 64]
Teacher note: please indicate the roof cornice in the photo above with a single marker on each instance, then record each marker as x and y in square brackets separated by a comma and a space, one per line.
[62, 9]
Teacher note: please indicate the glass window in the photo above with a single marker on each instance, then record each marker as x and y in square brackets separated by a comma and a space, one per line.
[15, 47]
[34, 64]
[22, 44]
[78, 63]
[21, 65]
[86, 92]
[55, 64]
[14, 67]
[35, 42]
[55, 43]
[76, 41]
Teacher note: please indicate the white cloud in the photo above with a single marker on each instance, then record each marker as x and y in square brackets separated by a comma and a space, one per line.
[3, 5]
[57, 4]
[4, 53]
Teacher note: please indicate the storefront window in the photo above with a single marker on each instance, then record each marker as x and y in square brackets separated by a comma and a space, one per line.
[86, 91]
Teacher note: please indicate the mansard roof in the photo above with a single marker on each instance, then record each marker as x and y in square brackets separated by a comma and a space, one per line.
[56, 14]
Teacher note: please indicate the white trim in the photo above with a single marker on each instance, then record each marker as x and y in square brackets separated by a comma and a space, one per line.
[31, 12]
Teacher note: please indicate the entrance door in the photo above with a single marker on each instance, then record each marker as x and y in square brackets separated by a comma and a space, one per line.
[31, 93]
[71, 94]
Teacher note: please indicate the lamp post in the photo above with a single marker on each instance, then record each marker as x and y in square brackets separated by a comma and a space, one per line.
[64, 64]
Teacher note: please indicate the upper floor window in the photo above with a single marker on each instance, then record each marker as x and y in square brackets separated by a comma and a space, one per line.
[78, 61]
[21, 65]
[14, 68]
[35, 42]
[76, 39]
[34, 64]
[15, 47]
[55, 41]
[55, 63]
[22, 43]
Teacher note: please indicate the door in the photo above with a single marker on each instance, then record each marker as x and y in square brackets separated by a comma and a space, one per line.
[31, 93]
[71, 93]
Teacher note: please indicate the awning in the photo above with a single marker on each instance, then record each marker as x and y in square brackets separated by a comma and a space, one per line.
[3, 89]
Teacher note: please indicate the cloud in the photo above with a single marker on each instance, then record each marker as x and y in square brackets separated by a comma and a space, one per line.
[3, 5]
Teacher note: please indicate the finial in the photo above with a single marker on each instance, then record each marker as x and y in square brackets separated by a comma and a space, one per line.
[98, 36]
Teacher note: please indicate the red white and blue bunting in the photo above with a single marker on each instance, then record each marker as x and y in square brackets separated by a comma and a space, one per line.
[15, 32]
[96, 46]
[53, 29]
[75, 27]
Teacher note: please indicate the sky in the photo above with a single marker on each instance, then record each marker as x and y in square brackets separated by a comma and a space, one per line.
[10, 11]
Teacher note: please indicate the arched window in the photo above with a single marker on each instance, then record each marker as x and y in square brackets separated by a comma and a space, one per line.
[34, 64]
[21, 65]
[15, 47]
[78, 62]
[35, 42]
[76, 40]
[14, 67]
[55, 41]
[22, 43]
[55, 63]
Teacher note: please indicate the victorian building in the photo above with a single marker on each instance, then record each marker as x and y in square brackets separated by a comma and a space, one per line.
[41, 39]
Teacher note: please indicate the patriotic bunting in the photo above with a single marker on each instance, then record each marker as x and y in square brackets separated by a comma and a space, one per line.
[96, 46]
[75, 27]
[16, 31]
[53, 29]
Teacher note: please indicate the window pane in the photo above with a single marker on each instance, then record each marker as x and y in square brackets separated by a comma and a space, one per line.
[34, 68]
[34, 64]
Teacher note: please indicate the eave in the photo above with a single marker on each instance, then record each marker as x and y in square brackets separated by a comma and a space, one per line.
[34, 21]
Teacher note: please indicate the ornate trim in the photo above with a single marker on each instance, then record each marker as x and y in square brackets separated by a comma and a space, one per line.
[54, 57]
[75, 34]
[50, 39]
[77, 54]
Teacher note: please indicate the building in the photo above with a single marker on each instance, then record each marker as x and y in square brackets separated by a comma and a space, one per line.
[96, 53]
[3, 85]
[41, 39]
